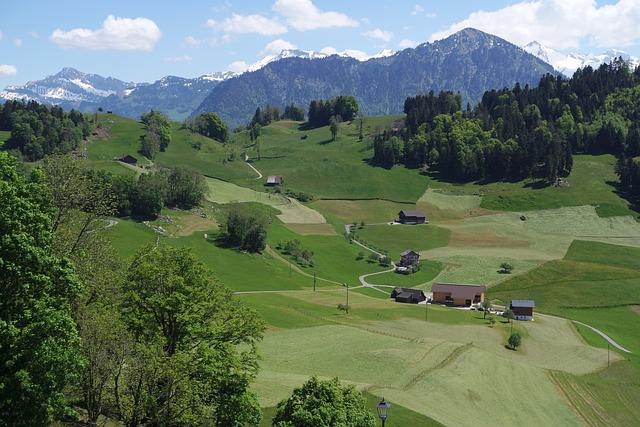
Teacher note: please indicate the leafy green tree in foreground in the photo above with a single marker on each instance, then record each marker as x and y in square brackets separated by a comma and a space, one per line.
[324, 403]
[38, 337]
[515, 339]
[194, 352]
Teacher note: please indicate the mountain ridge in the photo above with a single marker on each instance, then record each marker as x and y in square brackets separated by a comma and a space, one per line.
[469, 61]
[462, 57]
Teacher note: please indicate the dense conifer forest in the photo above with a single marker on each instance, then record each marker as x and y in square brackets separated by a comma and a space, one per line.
[521, 132]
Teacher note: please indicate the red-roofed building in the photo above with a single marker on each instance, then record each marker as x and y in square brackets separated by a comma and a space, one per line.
[457, 294]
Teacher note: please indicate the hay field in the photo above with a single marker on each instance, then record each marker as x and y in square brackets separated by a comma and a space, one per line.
[226, 192]
[482, 270]
[440, 206]
[296, 213]
[443, 366]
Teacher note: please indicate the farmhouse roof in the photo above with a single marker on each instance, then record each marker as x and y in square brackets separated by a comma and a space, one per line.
[407, 252]
[412, 212]
[522, 303]
[274, 179]
[398, 290]
[128, 159]
[458, 290]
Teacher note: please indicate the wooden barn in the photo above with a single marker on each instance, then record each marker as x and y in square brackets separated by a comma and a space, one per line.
[411, 216]
[409, 258]
[522, 309]
[128, 159]
[408, 295]
[458, 294]
[273, 180]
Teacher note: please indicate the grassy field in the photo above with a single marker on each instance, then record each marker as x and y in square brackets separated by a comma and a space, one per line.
[574, 251]
[397, 238]
[357, 348]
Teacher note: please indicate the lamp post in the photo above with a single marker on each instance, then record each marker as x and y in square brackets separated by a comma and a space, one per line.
[383, 410]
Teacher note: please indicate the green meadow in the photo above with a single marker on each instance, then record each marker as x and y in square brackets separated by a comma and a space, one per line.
[574, 250]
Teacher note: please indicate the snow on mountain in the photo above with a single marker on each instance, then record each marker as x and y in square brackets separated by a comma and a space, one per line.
[567, 64]
[69, 87]
[310, 54]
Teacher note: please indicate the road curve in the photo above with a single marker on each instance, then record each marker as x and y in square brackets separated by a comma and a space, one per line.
[597, 331]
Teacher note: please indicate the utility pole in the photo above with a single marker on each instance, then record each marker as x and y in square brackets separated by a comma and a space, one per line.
[314, 281]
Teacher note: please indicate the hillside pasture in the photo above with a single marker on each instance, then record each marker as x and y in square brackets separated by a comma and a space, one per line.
[591, 275]
[350, 211]
[117, 137]
[397, 238]
[339, 169]
[226, 192]
[205, 155]
[589, 184]
[358, 349]
[477, 269]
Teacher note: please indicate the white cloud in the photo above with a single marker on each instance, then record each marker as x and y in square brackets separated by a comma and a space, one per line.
[560, 24]
[417, 10]
[124, 34]
[430, 14]
[407, 43]
[181, 58]
[34, 35]
[379, 34]
[7, 71]
[277, 46]
[191, 41]
[304, 15]
[243, 24]
[18, 42]
[238, 66]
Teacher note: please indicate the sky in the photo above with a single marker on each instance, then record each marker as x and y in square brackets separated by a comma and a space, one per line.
[143, 41]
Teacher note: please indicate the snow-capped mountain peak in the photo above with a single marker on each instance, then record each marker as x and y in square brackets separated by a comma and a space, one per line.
[567, 64]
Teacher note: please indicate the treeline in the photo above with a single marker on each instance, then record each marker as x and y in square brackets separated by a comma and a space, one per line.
[158, 134]
[521, 132]
[39, 130]
[209, 125]
[628, 169]
[341, 108]
[273, 113]
[146, 195]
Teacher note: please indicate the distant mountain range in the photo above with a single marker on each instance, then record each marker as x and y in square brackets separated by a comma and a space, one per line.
[469, 61]
[568, 64]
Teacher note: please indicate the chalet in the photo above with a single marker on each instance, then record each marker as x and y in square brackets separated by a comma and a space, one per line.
[408, 295]
[273, 180]
[410, 216]
[457, 294]
[409, 258]
[522, 309]
[128, 159]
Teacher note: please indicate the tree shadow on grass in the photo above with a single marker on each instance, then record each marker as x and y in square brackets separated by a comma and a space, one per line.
[537, 184]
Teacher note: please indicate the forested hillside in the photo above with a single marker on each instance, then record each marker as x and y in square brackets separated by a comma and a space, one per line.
[521, 132]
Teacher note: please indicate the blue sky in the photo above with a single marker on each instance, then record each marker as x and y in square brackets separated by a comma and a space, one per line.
[143, 40]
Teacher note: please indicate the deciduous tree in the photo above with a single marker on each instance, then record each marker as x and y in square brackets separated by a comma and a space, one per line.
[324, 403]
[39, 345]
[195, 345]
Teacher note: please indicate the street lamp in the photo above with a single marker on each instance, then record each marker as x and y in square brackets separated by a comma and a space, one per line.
[383, 409]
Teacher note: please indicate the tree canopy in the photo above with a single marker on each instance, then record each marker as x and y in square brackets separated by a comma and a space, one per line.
[39, 345]
[323, 404]
[194, 345]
